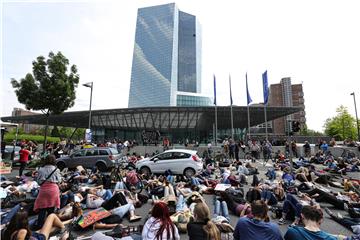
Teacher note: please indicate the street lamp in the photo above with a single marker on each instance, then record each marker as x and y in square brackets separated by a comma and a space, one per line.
[90, 85]
[357, 120]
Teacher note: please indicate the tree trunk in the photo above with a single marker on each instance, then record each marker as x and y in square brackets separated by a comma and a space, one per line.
[46, 130]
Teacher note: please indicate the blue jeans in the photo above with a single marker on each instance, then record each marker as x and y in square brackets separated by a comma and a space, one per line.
[292, 204]
[268, 196]
[10, 215]
[195, 181]
[43, 213]
[121, 211]
[120, 185]
[65, 199]
[180, 205]
[107, 195]
[170, 179]
[221, 209]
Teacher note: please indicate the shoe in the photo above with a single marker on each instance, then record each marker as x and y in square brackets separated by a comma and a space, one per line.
[134, 218]
[117, 232]
[281, 221]
[64, 235]
[339, 215]
[329, 212]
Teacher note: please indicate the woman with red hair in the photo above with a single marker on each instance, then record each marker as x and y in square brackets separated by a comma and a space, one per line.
[159, 226]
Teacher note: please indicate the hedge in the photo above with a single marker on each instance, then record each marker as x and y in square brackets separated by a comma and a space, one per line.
[35, 138]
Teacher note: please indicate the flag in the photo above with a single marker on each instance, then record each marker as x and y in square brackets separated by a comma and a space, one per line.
[249, 100]
[265, 87]
[231, 100]
[214, 90]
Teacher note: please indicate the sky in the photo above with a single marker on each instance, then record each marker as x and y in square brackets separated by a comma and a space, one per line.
[316, 43]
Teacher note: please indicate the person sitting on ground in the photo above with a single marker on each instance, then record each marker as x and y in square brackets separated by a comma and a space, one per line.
[259, 226]
[202, 227]
[312, 218]
[159, 225]
[294, 204]
[19, 229]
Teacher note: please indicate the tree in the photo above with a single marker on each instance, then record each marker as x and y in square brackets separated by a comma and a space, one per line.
[55, 132]
[342, 126]
[305, 131]
[50, 88]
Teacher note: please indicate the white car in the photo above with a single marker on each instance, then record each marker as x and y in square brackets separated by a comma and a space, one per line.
[179, 161]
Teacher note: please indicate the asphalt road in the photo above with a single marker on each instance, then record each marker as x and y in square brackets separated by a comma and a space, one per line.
[328, 225]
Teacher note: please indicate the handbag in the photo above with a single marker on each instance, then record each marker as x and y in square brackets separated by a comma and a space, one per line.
[47, 178]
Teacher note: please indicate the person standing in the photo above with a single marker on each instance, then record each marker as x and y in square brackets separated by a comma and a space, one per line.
[24, 158]
[49, 194]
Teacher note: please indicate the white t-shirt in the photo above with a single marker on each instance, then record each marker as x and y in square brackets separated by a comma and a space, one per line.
[93, 203]
[151, 228]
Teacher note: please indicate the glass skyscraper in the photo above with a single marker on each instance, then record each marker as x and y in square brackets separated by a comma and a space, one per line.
[167, 58]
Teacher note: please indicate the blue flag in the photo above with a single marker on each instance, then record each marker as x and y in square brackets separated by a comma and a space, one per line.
[214, 90]
[249, 100]
[265, 87]
[231, 100]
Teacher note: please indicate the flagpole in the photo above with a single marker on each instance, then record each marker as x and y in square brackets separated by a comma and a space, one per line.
[248, 118]
[231, 111]
[215, 103]
[216, 125]
[266, 130]
[266, 99]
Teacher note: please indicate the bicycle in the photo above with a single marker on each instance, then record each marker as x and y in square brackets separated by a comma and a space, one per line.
[119, 170]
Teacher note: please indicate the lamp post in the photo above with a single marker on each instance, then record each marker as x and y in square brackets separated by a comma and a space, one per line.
[357, 120]
[90, 85]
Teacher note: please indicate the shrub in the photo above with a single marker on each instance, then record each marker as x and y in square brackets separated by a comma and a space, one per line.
[35, 138]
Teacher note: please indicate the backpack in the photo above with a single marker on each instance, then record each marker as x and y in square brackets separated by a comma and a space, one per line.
[253, 195]
[132, 178]
[106, 181]
[236, 194]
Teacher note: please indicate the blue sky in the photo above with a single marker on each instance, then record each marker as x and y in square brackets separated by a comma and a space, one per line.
[313, 42]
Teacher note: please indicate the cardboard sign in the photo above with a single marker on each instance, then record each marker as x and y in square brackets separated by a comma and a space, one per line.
[92, 217]
[222, 187]
[5, 168]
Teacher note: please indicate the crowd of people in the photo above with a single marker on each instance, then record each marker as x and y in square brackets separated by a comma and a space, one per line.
[49, 202]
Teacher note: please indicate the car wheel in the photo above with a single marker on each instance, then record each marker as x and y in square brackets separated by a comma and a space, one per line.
[130, 165]
[145, 170]
[101, 166]
[189, 172]
[61, 165]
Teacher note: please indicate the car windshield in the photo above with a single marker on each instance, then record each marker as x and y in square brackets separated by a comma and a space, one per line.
[114, 151]
[10, 148]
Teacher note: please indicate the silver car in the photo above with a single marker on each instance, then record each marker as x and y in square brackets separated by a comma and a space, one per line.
[179, 161]
[101, 157]
[8, 152]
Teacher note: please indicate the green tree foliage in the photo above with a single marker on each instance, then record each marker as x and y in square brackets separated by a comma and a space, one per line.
[50, 88]
[79, 134]
[55, 132]
[66, 132]
[305, 131]
[342, 126]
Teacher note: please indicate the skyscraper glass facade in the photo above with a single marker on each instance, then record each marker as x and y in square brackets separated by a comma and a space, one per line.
[187, 53]
[167, 56]
[153, 60]
[191, 101]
